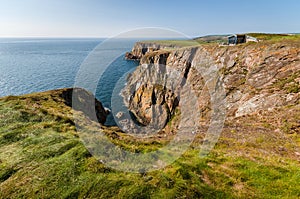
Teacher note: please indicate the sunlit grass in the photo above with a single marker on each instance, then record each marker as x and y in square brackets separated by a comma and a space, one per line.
[42, 156]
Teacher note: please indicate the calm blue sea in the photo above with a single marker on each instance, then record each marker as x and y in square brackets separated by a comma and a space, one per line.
[34, 65]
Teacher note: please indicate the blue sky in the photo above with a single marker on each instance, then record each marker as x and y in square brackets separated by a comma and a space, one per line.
[106, 18]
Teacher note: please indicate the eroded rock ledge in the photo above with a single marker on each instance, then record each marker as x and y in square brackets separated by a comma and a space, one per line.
[141, 48]
[77, 99]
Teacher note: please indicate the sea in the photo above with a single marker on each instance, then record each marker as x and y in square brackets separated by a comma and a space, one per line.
[34, 65]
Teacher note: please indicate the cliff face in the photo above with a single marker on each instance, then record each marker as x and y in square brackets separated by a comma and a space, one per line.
[255, 77]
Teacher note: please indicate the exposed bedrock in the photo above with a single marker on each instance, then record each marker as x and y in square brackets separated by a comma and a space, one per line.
[84, 101]
[141, 48]
[254, 77]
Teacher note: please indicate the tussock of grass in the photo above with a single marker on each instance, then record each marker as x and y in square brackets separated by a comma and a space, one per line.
[288, 84]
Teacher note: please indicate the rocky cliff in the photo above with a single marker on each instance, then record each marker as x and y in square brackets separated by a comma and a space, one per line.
[141, 48]
[255, 77]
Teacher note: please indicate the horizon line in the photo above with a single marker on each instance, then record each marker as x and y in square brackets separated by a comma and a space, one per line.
[108, 37]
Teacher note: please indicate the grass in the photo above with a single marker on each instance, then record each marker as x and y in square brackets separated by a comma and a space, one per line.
[42, 156]
[206, 40]
[275, 37]
[288, 84]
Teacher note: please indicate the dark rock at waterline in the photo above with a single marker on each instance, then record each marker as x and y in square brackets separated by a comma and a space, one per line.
[84, 101]
[130, 56]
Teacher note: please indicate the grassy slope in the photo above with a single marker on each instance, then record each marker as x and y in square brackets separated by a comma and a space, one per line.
[274, 37]
[42, 156]
[223, 39]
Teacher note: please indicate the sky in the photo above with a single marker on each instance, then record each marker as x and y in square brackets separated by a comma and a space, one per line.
[108, 18]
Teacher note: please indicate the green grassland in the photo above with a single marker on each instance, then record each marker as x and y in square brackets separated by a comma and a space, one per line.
[220, 39]
[275, 37]
[42, 156]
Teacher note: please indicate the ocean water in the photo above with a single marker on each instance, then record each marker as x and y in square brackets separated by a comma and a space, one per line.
[34, 65]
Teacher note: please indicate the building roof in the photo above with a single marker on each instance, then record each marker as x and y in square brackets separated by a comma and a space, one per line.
[236, 35]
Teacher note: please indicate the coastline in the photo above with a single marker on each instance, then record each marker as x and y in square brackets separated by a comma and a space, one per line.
[257, 155]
